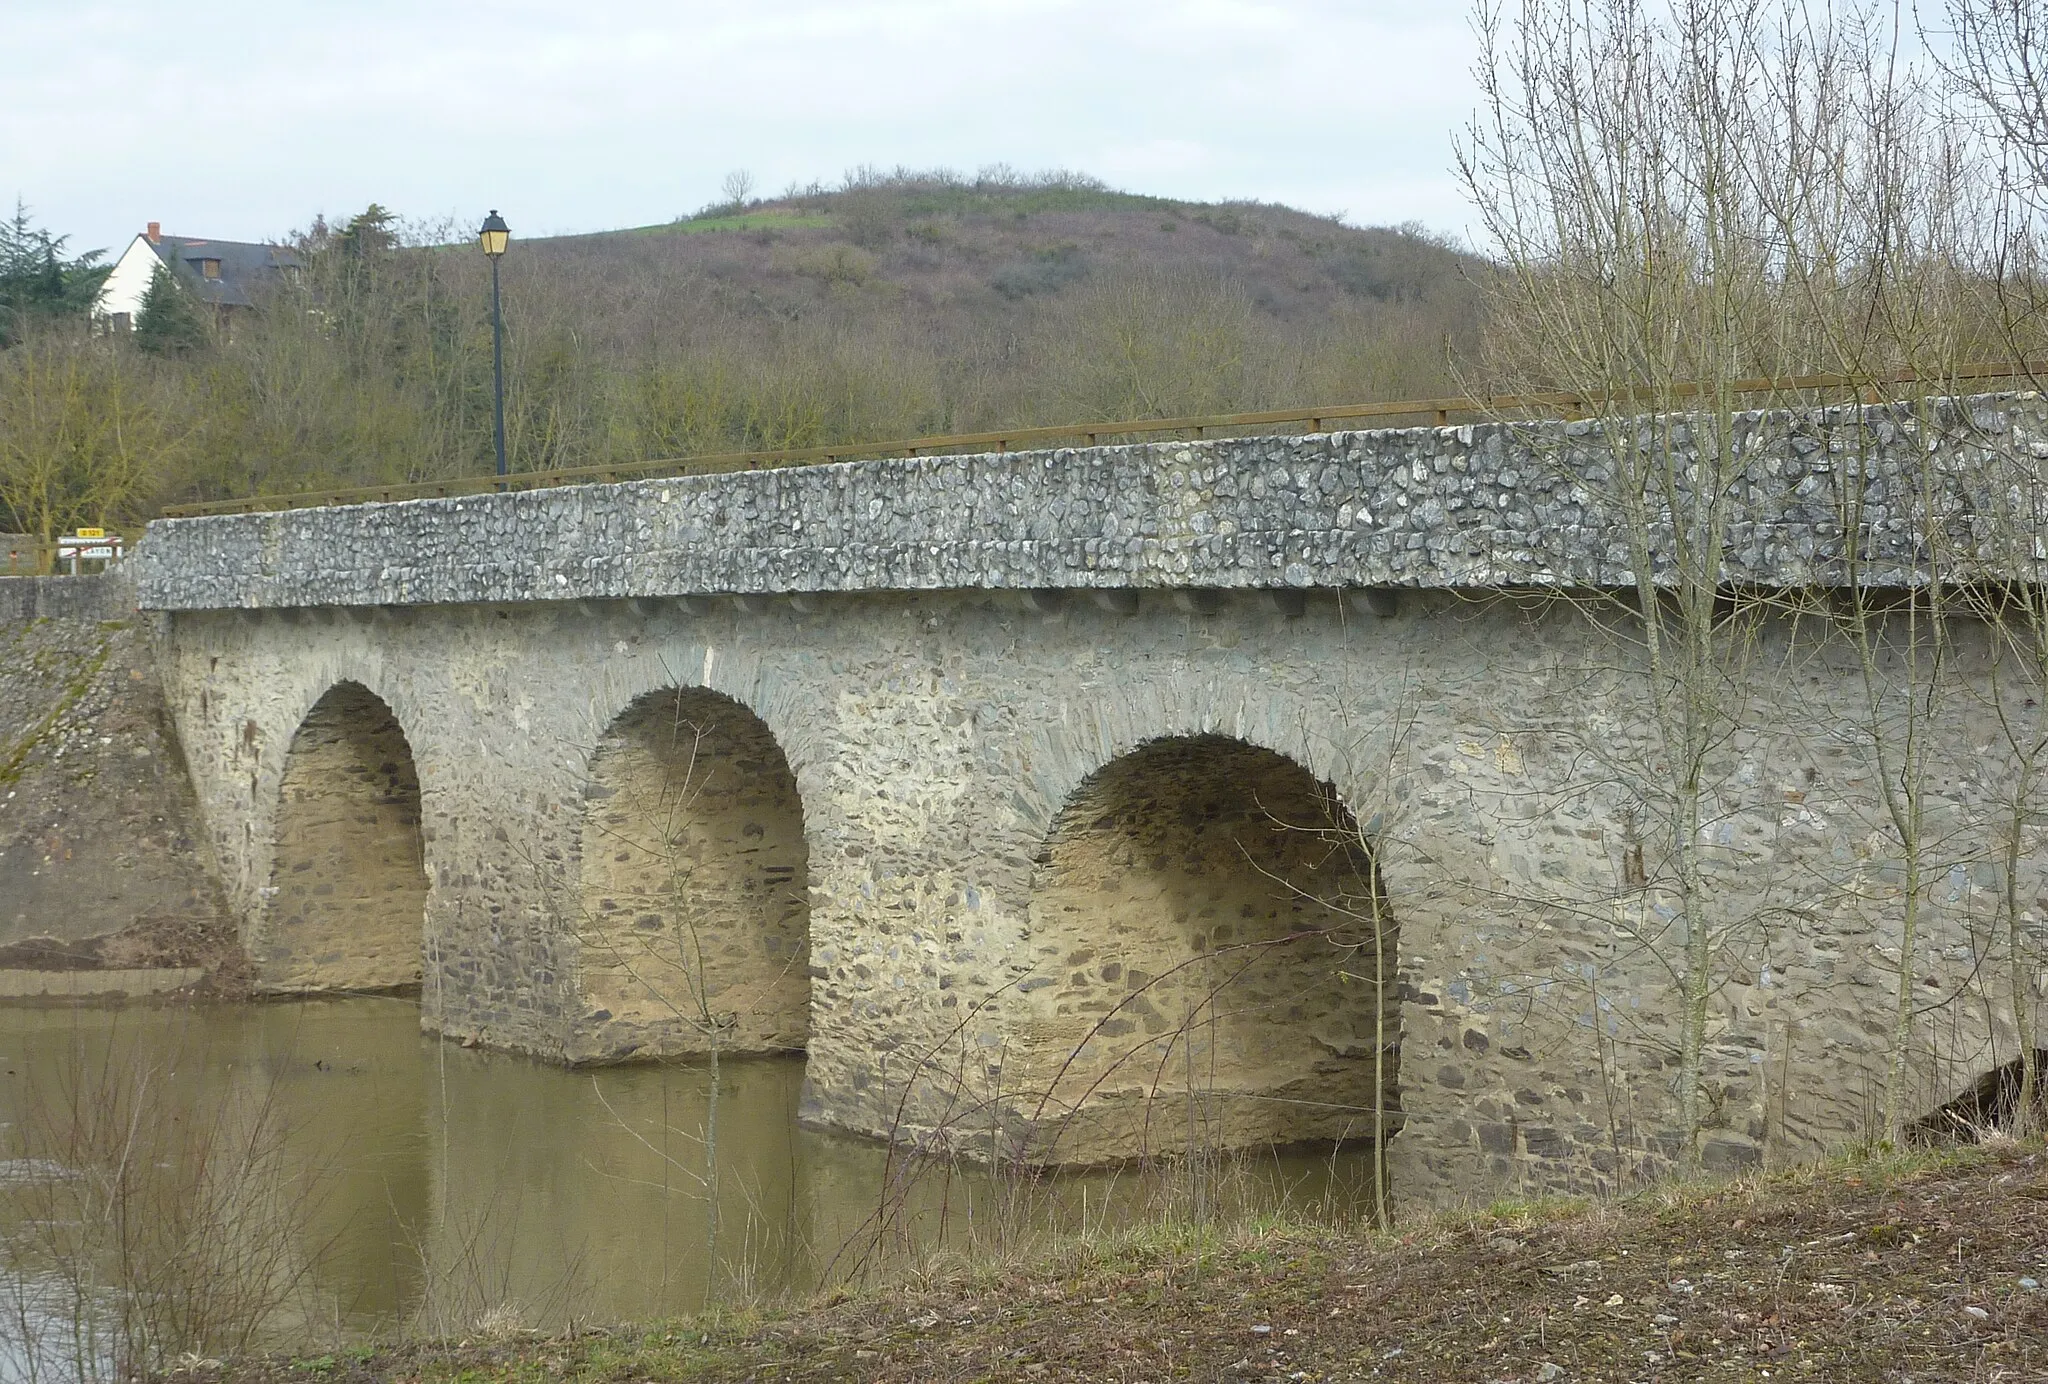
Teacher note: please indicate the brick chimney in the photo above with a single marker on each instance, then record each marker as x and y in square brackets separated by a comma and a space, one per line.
[156, 232]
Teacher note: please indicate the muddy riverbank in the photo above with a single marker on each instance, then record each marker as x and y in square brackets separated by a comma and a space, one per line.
[1926, 1268]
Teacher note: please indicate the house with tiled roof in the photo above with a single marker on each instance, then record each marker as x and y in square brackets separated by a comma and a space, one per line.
[226, 275]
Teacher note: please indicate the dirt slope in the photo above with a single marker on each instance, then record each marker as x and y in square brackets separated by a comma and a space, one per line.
[99, 857]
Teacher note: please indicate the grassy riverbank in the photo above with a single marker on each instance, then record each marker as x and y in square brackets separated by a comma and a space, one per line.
[1913, 1266]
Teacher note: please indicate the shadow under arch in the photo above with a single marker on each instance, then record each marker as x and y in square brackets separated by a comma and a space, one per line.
[693, 914]
[346, 908]
[1221, 963]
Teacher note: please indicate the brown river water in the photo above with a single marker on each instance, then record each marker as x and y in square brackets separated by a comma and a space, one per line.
[432, 1186]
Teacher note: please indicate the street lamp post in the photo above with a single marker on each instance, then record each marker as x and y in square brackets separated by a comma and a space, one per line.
[494, 236]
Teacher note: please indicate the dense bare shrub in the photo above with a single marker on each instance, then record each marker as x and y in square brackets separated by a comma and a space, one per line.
[152, 1211]
[88, 430]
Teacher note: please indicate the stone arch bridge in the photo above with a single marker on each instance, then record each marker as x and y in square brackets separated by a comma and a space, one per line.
[1068, 801]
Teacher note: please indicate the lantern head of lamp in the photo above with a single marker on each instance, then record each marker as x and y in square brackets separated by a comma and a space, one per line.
[495, 235]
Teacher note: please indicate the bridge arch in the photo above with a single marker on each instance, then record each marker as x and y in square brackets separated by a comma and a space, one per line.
[692, 913]
[346, 902]
[1216, 962]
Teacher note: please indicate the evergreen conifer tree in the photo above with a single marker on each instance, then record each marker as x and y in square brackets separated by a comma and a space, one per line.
[169, 323]
[38, 286]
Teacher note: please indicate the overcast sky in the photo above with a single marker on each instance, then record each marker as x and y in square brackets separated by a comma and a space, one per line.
[243, 118]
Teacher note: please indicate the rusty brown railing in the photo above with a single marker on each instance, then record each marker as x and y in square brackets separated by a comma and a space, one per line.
[1437, 411]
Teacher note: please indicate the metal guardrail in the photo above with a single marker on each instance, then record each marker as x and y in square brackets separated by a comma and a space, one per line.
[1438, 411]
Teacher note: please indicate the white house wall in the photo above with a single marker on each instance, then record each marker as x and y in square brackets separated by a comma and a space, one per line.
[130, 280]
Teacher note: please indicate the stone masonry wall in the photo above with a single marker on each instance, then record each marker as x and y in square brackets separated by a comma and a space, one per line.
[99, 829]
[1479, 506]
[343, 907]
[1484, 744]
[694, 925]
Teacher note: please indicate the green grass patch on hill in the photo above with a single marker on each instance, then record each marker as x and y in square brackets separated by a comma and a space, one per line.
[760, 219]
[916, 201]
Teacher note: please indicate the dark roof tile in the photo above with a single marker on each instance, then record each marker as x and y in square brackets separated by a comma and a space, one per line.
[246, 268]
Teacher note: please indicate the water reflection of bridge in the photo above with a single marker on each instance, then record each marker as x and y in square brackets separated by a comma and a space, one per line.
[432, 1187]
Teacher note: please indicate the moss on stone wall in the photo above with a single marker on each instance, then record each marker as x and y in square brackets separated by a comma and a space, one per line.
[98, 823]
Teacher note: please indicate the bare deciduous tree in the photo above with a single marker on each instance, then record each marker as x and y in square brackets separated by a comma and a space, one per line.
[1681, 198]
[85, 433]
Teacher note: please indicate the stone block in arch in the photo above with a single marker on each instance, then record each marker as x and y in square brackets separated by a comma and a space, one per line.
[1214, 963]
[692, 912]
[346, 903]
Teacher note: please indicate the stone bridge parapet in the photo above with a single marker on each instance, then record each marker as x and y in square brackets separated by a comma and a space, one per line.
[1487, 505]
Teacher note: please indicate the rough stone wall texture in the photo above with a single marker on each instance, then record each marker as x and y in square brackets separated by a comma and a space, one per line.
[1492, 749]
[1209, 971]
[97, 818]
[1478, 506]
[693, 930]
[348, 884]
[101, 596]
